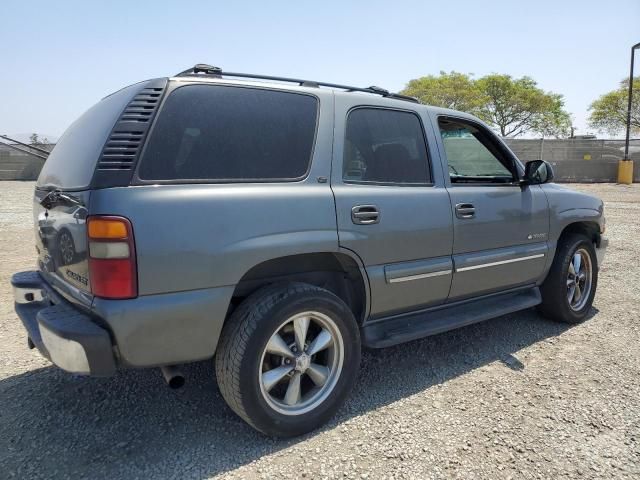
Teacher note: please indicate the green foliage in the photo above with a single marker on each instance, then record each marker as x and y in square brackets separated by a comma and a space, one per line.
[609, 112]
[449, 90]
[517, 106]
[511, 106]
[553, 121]
[34, 139]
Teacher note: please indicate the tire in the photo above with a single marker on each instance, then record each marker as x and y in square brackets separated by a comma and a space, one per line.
[555, 290]
[66, 248]
[245, 355]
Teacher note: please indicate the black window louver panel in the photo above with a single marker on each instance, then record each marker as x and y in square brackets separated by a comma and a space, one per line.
[123, 146]
[142, 106]
[121, 150]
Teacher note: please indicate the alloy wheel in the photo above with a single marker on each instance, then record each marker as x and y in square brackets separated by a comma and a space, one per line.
[301, 363]
[579, 279]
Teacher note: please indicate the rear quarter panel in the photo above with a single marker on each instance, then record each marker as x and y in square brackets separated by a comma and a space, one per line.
[193, 244]
[192, 237]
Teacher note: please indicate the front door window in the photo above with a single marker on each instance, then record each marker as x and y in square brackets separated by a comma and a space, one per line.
[471, 155]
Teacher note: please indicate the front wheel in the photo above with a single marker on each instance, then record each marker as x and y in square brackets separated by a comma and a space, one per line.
[568, 290]
[288, 357]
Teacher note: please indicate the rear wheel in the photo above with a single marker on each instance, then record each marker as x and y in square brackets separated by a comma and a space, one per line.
[568, 290]
[288, 358]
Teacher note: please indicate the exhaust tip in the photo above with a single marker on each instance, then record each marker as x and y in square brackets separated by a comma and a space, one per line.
[176, 382]
[173, 377]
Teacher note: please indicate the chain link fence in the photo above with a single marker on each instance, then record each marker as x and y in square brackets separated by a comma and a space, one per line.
[573, 160]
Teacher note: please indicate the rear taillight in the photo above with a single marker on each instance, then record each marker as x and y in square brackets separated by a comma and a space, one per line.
[112, 257]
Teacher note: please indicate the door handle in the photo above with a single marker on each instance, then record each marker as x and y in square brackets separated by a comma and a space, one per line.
[465, 210]
[365, 215]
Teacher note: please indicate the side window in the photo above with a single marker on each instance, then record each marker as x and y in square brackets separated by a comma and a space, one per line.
[385, 146]
[225, 133]
[472, 155]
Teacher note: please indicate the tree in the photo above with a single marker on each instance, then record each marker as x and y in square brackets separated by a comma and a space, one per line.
[34, 139]
[449, 90]
[609, 112]
[554, 122]
[511, 106]
[518, 106]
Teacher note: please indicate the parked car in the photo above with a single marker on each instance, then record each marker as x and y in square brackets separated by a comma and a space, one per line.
[281, 226]
[65, 239]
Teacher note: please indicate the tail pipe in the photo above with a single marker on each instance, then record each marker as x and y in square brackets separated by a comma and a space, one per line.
[172, 376]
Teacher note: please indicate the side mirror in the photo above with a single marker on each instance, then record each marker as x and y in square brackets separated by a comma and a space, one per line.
[537, 172]
[80, 214]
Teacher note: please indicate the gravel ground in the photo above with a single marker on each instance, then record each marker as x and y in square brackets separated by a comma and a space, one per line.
[514, 397]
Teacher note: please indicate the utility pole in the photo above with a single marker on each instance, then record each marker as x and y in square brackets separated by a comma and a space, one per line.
[625, 166]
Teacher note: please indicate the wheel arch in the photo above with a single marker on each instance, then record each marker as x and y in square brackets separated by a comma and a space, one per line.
[339, 272]
[590, 229]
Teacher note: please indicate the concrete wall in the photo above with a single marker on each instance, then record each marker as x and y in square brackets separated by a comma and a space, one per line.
[577, 160]
[15, 165]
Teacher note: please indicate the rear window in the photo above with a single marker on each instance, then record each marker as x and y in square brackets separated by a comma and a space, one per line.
[224, 133]
[73, 160]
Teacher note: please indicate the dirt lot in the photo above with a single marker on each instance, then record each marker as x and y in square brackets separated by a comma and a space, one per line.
[514, 397]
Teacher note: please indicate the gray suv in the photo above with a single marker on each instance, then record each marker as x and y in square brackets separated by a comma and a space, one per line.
[283, 224]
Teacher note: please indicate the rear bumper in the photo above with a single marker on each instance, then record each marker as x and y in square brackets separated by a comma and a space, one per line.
[147, 331]
[61, 332]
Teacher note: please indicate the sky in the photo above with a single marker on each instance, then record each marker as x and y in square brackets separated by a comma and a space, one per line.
[59, 58]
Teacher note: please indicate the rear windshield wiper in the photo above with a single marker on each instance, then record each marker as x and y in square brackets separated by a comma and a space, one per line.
[55, 197]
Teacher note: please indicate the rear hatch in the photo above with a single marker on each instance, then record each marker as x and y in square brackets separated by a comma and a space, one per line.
[61, 241]
[101, 136]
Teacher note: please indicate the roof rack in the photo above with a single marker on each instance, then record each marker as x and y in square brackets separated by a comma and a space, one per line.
[216, 72]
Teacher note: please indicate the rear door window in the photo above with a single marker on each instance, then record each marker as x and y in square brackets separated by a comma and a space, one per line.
[224, 133]
[386, 147]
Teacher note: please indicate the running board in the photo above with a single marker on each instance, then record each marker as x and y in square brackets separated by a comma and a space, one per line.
[411, 326]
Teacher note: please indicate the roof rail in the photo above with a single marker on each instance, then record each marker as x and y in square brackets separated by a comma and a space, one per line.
[203, 68]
